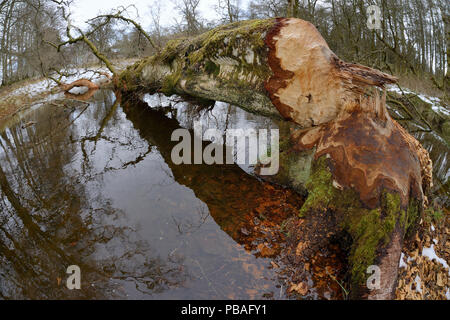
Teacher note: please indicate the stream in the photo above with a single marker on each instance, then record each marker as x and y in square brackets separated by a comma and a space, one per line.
[93, 185]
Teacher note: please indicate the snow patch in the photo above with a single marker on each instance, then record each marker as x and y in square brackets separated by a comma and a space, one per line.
[157, 100]
[431, 254]
[79, 90]
[433, 101]
[44, 85]
[418, 284]
[402, 263]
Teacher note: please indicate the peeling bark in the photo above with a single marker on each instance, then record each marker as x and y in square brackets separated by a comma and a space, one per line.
[365, 177]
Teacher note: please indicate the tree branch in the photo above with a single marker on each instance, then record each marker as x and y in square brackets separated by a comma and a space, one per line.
[118, 16]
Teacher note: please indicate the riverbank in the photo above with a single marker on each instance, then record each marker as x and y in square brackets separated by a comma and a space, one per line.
[26, 93]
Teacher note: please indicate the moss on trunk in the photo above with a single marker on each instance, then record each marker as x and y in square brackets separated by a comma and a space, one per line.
[370, 230]
[228, 63]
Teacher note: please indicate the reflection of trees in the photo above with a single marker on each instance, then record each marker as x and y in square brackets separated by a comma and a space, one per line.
[49, 220]
[53, 216]
[248, 210]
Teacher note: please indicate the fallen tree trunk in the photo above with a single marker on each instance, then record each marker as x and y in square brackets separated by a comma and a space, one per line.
[365, 177]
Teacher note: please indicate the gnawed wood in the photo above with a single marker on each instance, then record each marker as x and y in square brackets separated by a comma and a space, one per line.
[310, 85]
[83, 97]
[368, 153]
[371, 152]
[274, 67]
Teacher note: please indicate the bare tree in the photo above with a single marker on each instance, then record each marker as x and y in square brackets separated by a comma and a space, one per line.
[23, 25]
[96, 37]
[155, 12]
[266, 9]
[190, 15]
[229, 10]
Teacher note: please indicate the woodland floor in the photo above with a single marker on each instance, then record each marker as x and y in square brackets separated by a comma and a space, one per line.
[424, 273]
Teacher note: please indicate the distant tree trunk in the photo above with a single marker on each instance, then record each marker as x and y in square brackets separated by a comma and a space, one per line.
[363, 174]
[5, 44]
[446, 85]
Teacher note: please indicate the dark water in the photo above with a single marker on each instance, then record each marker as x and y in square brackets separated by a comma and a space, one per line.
[93, 185]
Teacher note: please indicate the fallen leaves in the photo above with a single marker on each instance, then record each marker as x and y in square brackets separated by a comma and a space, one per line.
[301, 288]
[265, 250]
[300, 247]
[435, 279]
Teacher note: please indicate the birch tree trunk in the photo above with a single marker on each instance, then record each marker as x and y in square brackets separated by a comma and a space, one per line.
[365, 177]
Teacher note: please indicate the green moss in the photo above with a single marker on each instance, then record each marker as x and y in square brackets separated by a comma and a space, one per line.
[370, 229]
[232, 41]
[171, 50]
[129, 78]
[320, 188]
[412, 216]
[366, 234]
[191, 59]
[211, 68]
[227, 38]
[433, 215]
[170, 81]
[446, 130]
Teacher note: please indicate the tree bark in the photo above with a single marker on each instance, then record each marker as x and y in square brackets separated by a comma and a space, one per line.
[365, 177]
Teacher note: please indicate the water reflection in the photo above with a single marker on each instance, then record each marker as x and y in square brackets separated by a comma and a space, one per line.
[249, 211]
[92, 184]
[52, 216]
